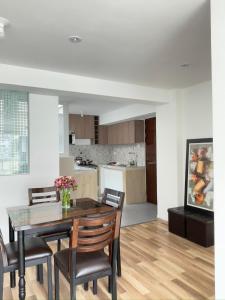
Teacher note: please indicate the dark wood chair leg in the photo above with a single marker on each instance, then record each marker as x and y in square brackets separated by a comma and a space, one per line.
[40, 276]
[49, 267]
[118, 260]
[95, 287]
[56, 273]
[114, 289]
[110, 284]
[114, 277]
[86, 286]
[1, 284]
[58, 245]
[12, 239]
[12, 279]
[72, 290]
[37, 273]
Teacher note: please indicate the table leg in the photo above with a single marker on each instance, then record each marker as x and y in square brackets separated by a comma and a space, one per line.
[12, 239]
[22, 283]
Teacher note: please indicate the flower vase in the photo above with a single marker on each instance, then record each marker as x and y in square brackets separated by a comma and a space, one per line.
[65, 198]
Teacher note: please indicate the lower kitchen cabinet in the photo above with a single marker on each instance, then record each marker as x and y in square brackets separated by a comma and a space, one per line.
[87, 179]
[122, 179]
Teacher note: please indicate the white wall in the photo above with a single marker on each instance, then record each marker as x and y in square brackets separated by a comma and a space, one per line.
[218, 88]
[167, 168]
[188, 117]
[195, 121]
[66, 130]
[44, 156]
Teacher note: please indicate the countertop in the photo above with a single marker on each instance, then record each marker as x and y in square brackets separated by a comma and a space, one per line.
[122, 168]
[84, 169]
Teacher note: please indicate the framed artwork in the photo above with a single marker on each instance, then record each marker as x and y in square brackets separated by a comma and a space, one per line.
[199, 175]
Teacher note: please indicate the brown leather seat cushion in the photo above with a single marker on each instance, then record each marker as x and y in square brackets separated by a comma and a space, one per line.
[35, 248]
[87, 263]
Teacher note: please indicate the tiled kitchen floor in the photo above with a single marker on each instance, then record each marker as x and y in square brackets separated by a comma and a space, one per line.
[138, 213]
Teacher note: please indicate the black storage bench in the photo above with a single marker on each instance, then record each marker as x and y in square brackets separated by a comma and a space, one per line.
[196, 227]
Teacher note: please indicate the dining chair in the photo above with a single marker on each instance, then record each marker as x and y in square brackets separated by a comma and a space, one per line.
[48, 195]
[85, 259]
[116, 199]
[37, 252]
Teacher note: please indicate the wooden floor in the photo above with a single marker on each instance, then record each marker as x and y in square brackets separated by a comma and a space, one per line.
[155, 265]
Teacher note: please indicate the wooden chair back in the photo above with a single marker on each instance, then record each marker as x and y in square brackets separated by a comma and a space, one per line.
[92, 234]
[43, 195]
[113, 198]
[3, 253]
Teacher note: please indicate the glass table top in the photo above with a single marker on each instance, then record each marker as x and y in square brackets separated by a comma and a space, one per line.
[28, 217]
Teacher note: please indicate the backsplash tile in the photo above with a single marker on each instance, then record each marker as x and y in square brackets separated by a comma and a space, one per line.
[102, 154]
[121, 153]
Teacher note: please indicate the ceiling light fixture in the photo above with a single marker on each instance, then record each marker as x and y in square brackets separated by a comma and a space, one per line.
[75, 39]
[186, 65]
[3, 23]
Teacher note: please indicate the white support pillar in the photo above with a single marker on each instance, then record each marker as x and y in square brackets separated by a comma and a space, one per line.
[218, 92]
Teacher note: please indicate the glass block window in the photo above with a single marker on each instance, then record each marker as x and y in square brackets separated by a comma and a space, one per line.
[14, 143]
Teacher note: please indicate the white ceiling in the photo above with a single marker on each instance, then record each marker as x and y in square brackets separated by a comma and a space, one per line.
[136, 41]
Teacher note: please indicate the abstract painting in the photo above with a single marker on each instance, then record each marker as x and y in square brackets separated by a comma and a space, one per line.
[199, 174]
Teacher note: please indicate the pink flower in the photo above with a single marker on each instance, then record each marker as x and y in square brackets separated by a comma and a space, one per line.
[66, 182]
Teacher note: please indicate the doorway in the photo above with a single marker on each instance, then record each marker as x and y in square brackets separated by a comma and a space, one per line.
[151, 164]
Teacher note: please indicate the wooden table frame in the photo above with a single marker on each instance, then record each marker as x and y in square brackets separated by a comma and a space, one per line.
[25, 225]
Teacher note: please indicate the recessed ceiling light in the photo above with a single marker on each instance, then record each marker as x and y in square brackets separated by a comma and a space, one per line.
[3, 23]
[75, 39]
[185, 65]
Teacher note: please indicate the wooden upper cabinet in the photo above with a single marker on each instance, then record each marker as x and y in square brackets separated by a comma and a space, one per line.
[103, 135]
[112, 134]
[89, 127]
[84, 127]
[125, 133]
[139, 131]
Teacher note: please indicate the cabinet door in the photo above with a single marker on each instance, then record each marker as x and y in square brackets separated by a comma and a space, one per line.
[118, 133]
[103, 135]
[124, 133]
[89, 127]
[84, 127]
[71, 123]
[130, 132]
[112, 134]
[139, 131]
[76, 125]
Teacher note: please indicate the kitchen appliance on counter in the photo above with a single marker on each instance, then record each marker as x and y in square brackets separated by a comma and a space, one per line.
[85, 162]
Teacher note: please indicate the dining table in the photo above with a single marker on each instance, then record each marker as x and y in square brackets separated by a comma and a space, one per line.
[37, 219]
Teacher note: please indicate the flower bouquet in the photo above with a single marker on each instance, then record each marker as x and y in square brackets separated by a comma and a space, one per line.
[65, 184]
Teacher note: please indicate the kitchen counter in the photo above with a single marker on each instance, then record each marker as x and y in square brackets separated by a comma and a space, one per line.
[87, 178]
[131, 180]
[84, 169]
[115, 167]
